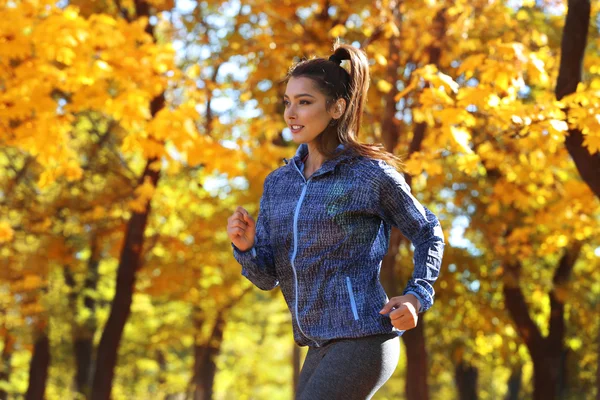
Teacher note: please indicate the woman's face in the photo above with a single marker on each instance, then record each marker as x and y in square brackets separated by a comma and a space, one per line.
[305, 110]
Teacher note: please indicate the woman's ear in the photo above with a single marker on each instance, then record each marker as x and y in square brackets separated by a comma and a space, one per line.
[338, 109]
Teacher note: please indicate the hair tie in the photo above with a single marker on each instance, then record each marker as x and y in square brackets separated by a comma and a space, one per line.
[335, 59]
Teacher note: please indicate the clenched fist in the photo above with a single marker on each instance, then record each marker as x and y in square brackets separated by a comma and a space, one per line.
[403, 311]
[241, 229]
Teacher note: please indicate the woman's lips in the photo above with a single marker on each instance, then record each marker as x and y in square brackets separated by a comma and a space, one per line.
[296, 130]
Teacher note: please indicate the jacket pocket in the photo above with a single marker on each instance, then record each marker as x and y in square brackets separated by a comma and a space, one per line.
[352, 302]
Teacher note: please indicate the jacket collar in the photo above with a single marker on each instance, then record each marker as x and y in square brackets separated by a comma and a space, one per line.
[327, 166]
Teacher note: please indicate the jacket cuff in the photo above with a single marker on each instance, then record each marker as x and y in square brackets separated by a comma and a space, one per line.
[243, 255]
[420, 293]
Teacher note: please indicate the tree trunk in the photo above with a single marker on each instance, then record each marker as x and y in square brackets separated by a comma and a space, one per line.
[161, 360]
[84, 349]
[121, 305]
[545, 376]
[296, 366]
[84, 343]
[205, 356]
[573, 45]
[129, 260]
[514, 383]
[598, 365]
[38, 367]
[547, 353]
[563, 378]
[416, 370]
[83, 334]
[465, 376]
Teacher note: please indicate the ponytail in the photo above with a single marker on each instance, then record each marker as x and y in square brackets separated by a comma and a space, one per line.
[335, 82]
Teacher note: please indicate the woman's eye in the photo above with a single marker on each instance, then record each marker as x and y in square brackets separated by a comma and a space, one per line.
[286, 103]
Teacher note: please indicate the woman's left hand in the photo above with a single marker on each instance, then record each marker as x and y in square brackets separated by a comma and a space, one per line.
[404, 311]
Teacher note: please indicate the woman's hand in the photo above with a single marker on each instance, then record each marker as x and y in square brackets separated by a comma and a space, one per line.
[241, 229]
[404, 311]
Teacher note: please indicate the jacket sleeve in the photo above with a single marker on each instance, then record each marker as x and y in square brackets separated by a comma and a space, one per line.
[400, 208]
[258, 264]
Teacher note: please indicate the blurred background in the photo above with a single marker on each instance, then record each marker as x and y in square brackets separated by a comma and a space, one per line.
[130, 130]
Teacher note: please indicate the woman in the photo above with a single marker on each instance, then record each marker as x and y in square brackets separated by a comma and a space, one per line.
[323, 229]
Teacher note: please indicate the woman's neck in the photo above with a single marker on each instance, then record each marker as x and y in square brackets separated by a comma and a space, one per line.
[313, 159]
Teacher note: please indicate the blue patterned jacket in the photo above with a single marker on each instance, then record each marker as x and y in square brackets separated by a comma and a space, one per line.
[322, 241]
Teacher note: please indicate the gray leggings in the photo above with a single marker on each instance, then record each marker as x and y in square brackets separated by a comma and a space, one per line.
[348, 369]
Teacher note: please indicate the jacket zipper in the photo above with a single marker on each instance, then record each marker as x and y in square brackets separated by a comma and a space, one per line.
[352, 302]
[294, 256]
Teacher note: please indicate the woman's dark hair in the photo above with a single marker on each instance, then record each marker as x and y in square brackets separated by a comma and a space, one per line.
[335, 82]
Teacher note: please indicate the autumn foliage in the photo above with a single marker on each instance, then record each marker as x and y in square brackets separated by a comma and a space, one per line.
[130, 131]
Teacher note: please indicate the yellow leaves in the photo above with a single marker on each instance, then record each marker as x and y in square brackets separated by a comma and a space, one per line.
[536, 70]
[193, 72]
[162, 66]
[72, 171]
[560, 126]
[129, 108]
[470, 64]
[68, 169]
[298, 29]
[390, 29]
[574, 343]
[436, 78]
[420, 161]
[493, 209]
[554, 243]
[103, 65]
[412, 85]
[143, 195]
[380, 59]
[155, 165]
[562, 240]
[130, 144]
[384, 86]
[522, 15]
[337, 31]
[437, 93]
[433, 96]
[592, 142]
[14, 44]
[6, 232]
[151, 148]
[31, 282]
[439, 79]
[214, 156]
[176, 125]
[469, 163]
[142, 303]
[500, 78]
[462, 137]
[65, 55]
[455, 116]
[509, 51]
[162, 5]
[96, 214]
[367, 30]
[245, 96]
[46, 178]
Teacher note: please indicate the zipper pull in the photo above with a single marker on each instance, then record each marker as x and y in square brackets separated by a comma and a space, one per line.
[285, 160]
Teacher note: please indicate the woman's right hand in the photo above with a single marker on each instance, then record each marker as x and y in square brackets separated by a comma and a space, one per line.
[241, 229]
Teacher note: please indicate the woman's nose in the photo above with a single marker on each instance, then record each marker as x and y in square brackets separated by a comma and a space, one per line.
[290, 113]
